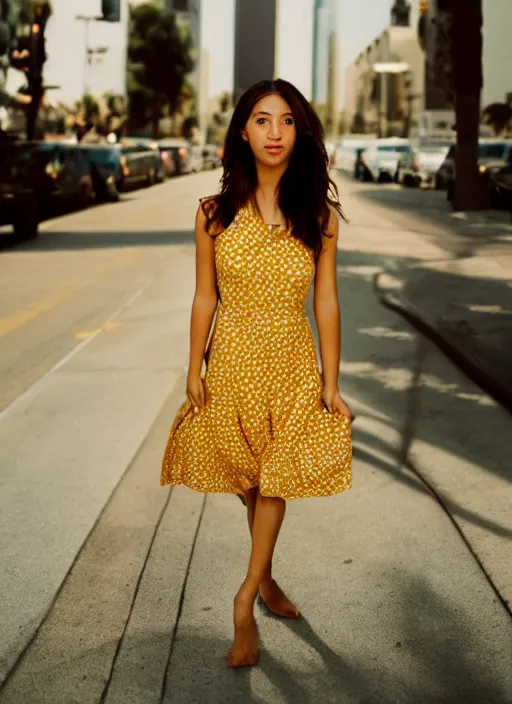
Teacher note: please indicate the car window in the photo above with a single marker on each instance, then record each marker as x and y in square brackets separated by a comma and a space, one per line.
[393, 148]
[101, 156]
[492, 151]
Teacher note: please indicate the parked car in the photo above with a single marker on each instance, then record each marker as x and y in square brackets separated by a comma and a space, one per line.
[70, 176]
[211, 156]
[420, 164]
[348, 152]
[446, 170]
[501, 184]
[106, 170]
[140, 165]
[150, 144]
[380, 160]
[493, 155]
[187, 157]
[24, 185]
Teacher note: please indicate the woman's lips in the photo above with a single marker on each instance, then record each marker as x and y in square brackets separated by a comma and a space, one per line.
[274, 150]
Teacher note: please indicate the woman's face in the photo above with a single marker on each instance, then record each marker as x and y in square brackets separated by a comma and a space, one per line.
[270, 131]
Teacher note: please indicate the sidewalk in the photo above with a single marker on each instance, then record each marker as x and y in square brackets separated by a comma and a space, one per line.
[150, 621]
[465, 306]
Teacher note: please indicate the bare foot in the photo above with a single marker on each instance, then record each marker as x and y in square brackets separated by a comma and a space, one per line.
[276, 601]
[244, 651]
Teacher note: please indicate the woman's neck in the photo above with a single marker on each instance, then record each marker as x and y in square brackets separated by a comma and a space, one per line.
[268, 181]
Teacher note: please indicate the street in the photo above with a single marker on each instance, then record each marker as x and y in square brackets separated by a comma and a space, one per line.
[115, 589]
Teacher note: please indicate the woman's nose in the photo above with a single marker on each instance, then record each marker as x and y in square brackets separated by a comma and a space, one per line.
[275, 130]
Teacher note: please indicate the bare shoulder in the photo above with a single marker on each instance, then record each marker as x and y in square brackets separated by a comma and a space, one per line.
[330, 234]
[206, 216]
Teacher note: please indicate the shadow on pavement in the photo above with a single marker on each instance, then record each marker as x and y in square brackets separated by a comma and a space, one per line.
[431, 656]
[410, 207]
[72, 241]
[470, 317]
[379, 351]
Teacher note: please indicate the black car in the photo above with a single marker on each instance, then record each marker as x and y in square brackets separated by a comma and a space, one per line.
[69, 175]
[23, 187]
[141, 165]
[493, 156]
[106, 170]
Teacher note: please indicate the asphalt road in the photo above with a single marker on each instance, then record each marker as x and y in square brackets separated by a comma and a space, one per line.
[116, 590]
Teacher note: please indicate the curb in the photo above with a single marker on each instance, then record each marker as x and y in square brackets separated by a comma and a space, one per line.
[428, 327]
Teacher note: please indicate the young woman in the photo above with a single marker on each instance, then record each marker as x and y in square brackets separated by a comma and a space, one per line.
[264, 423]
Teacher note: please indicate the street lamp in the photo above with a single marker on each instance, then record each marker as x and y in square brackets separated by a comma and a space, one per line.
[87, 19]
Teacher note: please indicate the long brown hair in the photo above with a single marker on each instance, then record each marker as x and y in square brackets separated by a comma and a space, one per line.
[306, 192]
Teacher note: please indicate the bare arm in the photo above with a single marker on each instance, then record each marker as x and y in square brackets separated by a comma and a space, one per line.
[327, 314]
[203, 308]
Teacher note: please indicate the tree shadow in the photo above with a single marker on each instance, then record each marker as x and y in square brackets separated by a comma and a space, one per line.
[379, 359]
[418, 648]
[410, 208]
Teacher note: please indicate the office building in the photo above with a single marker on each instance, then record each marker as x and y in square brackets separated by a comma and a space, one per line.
[326, 91]
[255, 41]
[387, 104]
[274, 39]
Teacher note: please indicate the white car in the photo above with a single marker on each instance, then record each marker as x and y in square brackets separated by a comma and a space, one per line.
[379, 162]
[419, 166]
[346, 154]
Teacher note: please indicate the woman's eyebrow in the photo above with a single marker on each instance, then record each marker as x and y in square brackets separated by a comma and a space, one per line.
[262, 112]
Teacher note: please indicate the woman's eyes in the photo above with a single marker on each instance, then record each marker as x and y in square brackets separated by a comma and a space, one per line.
[262, 120]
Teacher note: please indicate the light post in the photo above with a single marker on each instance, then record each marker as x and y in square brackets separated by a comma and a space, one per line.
[87, 19]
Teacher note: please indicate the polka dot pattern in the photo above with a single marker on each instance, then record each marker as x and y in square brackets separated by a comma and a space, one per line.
[264, 422]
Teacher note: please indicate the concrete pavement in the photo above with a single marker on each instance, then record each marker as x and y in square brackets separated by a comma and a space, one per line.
[397, 606]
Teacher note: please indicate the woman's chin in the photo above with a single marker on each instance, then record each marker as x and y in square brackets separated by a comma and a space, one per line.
[273, 160]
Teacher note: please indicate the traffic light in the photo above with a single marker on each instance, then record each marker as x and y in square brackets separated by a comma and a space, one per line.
[111, 10]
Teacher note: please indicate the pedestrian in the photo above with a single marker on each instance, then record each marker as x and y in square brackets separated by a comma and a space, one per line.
[264, 423]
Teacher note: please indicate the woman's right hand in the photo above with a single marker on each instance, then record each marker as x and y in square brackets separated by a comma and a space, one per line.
[195, 391]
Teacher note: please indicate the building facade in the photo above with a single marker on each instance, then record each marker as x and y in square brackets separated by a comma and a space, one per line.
[255, 43]
[387, 104]
[385, 85]
[274, 39]
[294, 44]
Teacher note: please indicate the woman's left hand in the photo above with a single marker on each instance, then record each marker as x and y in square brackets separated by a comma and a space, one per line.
[335, 404]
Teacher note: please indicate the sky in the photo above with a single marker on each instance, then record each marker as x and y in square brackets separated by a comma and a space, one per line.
[358, 23]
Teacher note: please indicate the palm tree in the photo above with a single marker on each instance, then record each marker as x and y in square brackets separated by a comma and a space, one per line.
[499, 116]
[466, 46]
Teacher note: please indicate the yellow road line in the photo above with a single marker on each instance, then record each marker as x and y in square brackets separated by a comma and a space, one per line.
[84, 334]
[12, 322]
